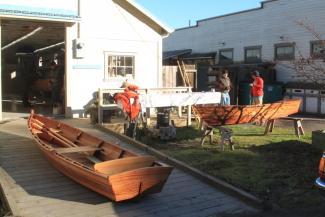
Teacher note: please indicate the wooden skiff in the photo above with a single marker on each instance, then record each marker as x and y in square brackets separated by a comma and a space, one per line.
[231, 115]
[108, 169]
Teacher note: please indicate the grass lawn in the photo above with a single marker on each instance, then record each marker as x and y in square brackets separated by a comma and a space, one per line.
[277, 167]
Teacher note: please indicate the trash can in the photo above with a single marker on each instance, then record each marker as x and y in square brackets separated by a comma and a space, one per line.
[244, 94]
[273, 92]
[163, 117]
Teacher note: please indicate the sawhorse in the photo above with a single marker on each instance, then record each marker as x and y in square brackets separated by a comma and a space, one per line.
[225, 133]
[299, 130]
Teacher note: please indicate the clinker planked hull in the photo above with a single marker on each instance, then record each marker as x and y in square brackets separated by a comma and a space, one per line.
[231, 115]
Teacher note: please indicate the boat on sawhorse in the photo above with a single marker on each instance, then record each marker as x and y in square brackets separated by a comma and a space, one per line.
[230, 115]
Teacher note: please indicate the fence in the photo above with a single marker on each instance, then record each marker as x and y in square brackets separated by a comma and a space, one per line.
[104, 104]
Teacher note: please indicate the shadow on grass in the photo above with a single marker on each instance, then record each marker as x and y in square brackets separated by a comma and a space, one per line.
[289, 170]
[286, 149]
[278, 167]
[280, 172]
[188, 133]
[249, 134]
[262, 134]
[296, 158]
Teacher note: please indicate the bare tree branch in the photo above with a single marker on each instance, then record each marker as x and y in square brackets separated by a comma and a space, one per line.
[312, 67]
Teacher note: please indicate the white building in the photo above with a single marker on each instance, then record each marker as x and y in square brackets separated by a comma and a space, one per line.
[270, 32]
[98, 43]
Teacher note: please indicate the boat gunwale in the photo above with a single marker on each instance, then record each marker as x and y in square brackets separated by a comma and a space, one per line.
[51, 151]
[243, 106]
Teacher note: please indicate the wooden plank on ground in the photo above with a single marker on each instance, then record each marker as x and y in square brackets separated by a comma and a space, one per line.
[35, 189]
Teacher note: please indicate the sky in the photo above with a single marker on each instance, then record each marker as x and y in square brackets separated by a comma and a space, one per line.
[177, 13]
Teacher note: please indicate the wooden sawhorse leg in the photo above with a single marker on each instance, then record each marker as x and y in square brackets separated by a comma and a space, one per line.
[299, 130]
[207, 132]
[269, 126]
[226, 136]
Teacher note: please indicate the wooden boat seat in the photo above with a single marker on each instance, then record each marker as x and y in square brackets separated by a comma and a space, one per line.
[94, 159]
[124, 164]
[75, 149]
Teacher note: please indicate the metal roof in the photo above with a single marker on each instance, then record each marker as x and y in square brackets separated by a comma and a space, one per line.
[175, 53]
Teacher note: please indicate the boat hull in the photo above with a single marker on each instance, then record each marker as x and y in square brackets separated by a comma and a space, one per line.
[132, 180]
[231, 115]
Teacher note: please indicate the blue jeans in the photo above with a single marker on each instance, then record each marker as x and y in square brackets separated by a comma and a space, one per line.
[225, 99]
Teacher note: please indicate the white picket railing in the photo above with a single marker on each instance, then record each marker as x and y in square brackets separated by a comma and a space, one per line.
[105, 105]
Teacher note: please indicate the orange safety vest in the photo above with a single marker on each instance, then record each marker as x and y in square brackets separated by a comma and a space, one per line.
[132, 110]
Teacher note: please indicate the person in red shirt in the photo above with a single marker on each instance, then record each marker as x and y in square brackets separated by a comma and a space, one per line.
[257, 89]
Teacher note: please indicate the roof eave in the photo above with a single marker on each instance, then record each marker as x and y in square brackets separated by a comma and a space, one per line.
[143, 15]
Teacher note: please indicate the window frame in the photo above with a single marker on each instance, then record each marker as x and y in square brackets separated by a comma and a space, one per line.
[107, 75]
[226, 61]
[285, 57]
[320, 55]
[253, 60]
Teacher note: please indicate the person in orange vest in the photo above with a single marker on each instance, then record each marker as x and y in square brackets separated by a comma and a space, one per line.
[257, 92]
[129, 100]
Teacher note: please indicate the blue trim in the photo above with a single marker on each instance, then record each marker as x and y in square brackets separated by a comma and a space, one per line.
[320, 183]
[38, 12]
[97, 67]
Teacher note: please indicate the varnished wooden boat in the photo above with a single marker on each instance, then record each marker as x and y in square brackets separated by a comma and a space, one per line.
[231, 115]
[106, 168]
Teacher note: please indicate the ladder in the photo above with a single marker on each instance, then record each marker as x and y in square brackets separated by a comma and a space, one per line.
[183, 71]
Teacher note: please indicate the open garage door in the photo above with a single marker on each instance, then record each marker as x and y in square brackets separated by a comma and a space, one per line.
[33, 66]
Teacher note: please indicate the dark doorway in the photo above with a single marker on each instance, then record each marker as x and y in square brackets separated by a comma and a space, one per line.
[33, 66]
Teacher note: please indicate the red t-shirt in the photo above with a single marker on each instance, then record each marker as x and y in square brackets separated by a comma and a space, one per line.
[258, 85]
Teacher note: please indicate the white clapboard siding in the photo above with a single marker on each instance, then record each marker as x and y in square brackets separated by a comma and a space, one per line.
[274, 22]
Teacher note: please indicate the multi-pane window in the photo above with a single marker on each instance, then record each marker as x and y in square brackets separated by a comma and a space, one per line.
[119, 66]
[226, 56]
[317, 49]
[285, 51]
[253, 54]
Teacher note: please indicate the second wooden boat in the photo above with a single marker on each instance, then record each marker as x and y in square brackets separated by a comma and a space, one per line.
[231, 115]
[106, 168]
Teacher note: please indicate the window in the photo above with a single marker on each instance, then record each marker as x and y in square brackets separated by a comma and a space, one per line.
[317, 49]
[253, 54]
[285, 51]
[226, 56]
[118, 66]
